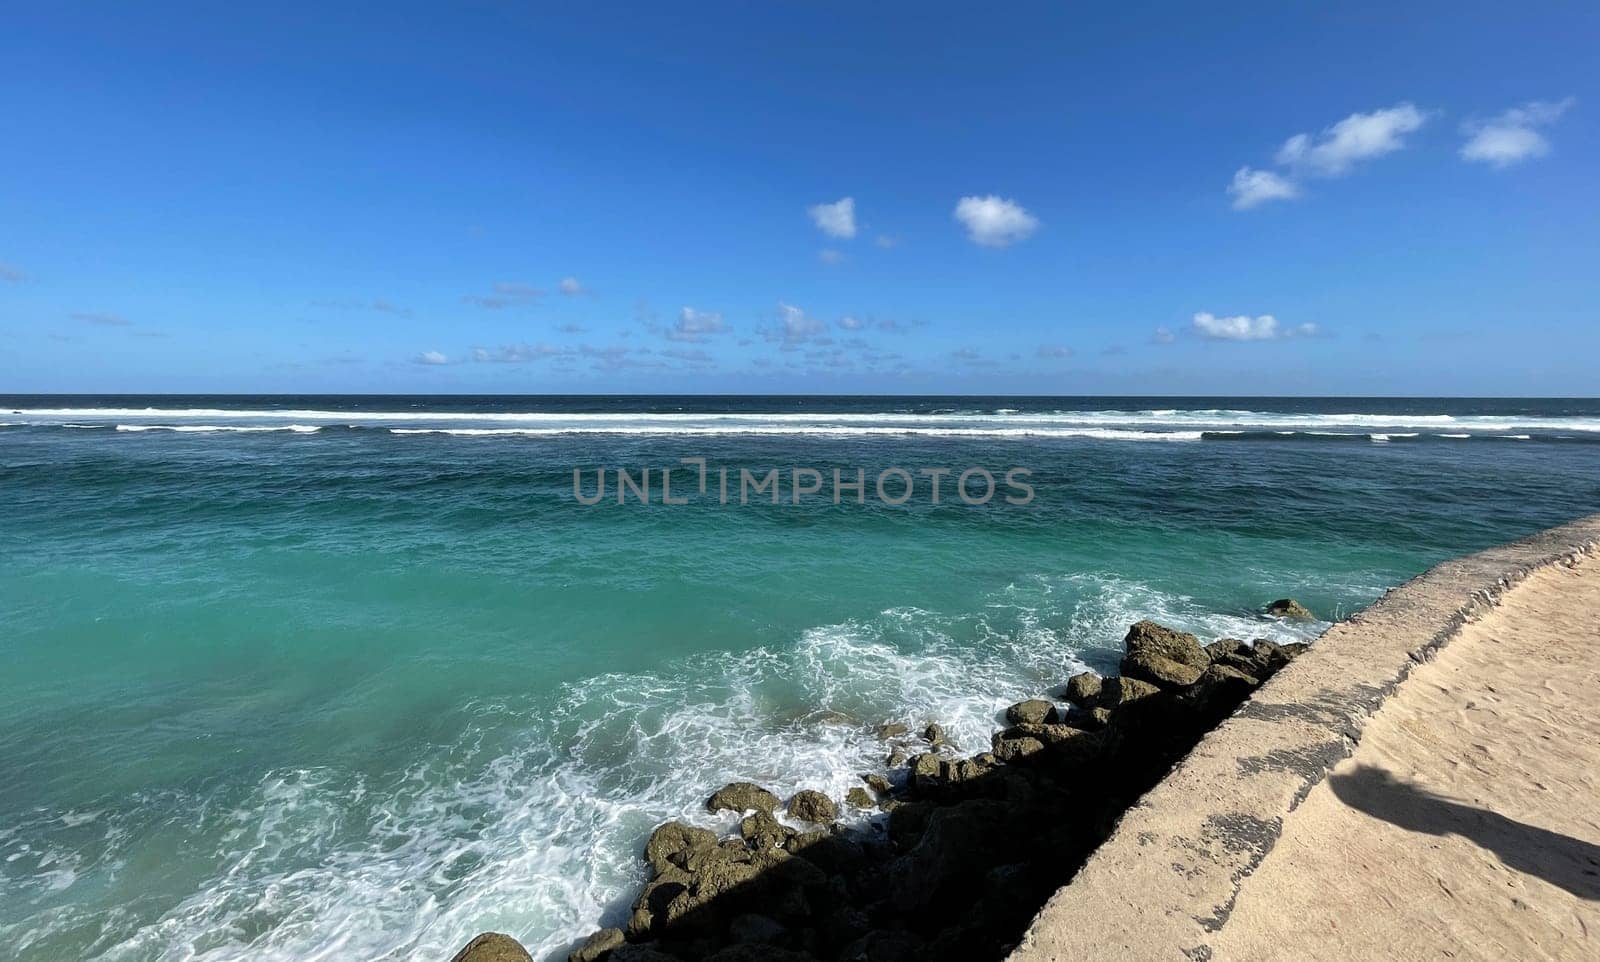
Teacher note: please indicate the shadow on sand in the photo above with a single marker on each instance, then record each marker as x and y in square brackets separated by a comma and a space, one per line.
[1569, 863]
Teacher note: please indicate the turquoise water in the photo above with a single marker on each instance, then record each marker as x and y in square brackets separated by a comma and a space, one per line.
[295, 678]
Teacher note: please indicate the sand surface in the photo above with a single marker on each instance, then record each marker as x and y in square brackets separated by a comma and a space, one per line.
[1466, 825]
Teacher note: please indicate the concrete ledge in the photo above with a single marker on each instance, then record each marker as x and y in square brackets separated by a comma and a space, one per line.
[1169, 875]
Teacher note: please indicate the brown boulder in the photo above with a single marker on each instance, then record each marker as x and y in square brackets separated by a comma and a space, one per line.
[1083, 689]
[672, 843]
[1035, 710]
[813, 806]
[1179, 646]
[493, 947]
[1290, 608]
[1164, 672]
[598, 946]
[742, 797]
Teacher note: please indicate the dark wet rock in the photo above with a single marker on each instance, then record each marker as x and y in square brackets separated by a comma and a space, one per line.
[860, 798]
[759, 953]
[598, 946]
[953, 849]
[673, 842]
[934, 735]
[813, 806]
[1161, 671]
[1083, 689]
[1289, 608]
[1179, 646]
[1035, 710]
[1295, 649]
[896, 758]
[640, 953]
[1087, 719]
[742, 797]
[492, 947]
[886, 946]
[892, 730]
[756, 929]
[878, 783]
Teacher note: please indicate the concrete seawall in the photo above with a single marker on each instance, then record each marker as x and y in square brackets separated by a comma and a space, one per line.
[1170, 881]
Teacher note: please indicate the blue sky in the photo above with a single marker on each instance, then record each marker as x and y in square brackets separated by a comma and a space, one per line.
[1059, 199]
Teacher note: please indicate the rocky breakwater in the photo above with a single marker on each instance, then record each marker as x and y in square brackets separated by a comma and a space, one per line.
[960, 851]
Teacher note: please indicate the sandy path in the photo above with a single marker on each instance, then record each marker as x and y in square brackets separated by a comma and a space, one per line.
[1466, 825]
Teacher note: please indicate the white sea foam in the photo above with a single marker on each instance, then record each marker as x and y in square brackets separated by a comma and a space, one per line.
[1173, 423]
[212, 428]
[542, 841]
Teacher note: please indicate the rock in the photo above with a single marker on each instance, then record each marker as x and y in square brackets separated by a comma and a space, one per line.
[1146, 665]
[1179, 646]
[742, 797]
[1226, 646]
[860, 798]
[925, 770]
[1087, 719]
[672, 843]
[640, 953]
[934, 735]
[813, 806]
[757, 929]
[890, 730]
[1035, 710]
[493, 947]
[1221, 689]
[763, 831]
[1295, 649]
[800, 841]
[651, 905]
[1289, 608]
[896, 758]
[598, 946]
[1120, 691]
[1083, 689]
[1271, 656]
[759, 953]
[959, 843]
[1011, 745]
[878, 783]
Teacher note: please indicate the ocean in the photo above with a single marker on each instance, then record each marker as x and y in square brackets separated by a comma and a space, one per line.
[294, 678]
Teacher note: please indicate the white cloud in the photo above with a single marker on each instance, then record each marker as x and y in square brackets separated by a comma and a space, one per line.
[519, 353]
[994, 221]
[830, 256]
[506, 294]
[795, 326]
[837, 219]
[104, 320]
[695, 326]
[850, 323]
[1242, 327]
[1163, 335]
[1251, 187]
[1513, 136]
[571, 286]
[432, 357]
[1357, 137]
